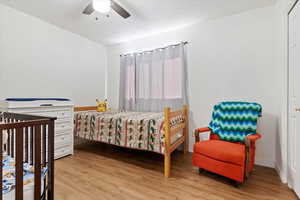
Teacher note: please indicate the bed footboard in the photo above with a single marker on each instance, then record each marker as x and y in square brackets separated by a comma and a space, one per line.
[170, 131]
[28, 139]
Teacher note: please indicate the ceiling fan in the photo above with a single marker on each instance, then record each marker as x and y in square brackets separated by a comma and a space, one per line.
[104, 6]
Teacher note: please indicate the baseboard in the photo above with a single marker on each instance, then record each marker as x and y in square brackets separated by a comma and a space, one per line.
[265, 163]
[281, 173]
[290, 177]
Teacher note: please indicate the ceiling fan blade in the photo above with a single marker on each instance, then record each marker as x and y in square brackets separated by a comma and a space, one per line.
[89, 9]
[121, 11]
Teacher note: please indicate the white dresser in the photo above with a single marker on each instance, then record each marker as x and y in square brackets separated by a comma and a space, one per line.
[63, 110]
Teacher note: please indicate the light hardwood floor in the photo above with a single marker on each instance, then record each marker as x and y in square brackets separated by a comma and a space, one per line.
[98, 171]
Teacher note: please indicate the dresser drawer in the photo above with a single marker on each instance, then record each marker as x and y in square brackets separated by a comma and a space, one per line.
[63, 125]
[63, 114]
[63, 132]
[62, 140]
[63, 151]
[59, 114]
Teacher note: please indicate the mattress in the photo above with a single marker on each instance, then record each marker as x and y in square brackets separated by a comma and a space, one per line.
[137, 130]
[28, 179]
[28, 192]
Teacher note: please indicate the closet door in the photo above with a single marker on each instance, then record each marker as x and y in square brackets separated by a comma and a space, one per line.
[294, 100]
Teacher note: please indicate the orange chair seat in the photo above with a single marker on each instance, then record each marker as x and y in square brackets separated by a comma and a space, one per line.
[233, 153]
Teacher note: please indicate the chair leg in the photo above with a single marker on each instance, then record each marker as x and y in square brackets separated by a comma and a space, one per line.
[236, 184]
[200, 170]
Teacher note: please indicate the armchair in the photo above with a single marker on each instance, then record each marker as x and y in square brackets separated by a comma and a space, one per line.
[232, 159]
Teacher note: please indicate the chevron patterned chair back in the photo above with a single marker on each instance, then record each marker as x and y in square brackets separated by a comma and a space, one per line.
[233, 121]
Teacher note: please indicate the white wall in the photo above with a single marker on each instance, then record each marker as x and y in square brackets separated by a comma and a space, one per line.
[38, 59]
[231, 58]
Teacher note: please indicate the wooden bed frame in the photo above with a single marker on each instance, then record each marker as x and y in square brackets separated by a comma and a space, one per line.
[169, 132]
[30, 139]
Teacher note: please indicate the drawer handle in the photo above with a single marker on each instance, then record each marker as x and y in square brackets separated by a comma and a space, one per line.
[48, 105]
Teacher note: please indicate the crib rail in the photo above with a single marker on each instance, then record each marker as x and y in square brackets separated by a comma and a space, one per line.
[30, 139]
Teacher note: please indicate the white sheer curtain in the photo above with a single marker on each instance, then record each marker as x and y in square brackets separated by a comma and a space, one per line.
[127, 93]
[160, 78]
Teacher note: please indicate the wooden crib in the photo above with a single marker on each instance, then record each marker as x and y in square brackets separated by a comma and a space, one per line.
[30, 140]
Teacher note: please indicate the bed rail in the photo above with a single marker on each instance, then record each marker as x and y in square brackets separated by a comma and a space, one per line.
[30, 139]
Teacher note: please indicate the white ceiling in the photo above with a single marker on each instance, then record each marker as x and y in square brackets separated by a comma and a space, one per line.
[148, 16]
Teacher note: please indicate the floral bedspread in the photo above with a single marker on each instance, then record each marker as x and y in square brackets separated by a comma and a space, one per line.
[9, 176]
[137, 130]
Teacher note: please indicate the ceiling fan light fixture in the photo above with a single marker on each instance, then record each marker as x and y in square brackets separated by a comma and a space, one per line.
[102, 6]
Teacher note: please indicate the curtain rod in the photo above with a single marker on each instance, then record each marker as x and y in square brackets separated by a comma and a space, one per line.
[173, 45]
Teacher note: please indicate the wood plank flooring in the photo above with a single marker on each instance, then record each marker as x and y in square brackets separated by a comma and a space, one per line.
[99, 171]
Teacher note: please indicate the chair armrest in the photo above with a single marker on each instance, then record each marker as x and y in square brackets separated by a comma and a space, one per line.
[250, 142]
[253, 138]
[200, 130]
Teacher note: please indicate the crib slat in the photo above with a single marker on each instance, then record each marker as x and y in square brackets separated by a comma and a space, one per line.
[31, 144]
[12, 135]
[26, 144]
[1, 158]
[51, 160]
[13, 142]
[37, 163]
[44, 144]
[9, 142]
[19, 163]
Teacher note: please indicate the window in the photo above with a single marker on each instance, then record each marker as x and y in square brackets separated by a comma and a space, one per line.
[153, 80]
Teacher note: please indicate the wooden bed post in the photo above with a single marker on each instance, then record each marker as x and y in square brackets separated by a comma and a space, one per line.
[186, 129]
[167, 142]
